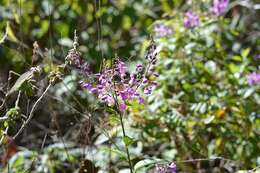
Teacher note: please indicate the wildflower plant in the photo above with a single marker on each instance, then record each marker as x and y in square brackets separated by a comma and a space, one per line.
[116, 86]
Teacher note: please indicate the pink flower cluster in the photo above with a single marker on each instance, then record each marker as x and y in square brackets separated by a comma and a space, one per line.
[253, 78]
[191, 20]
[219, 7]
[162, 30]
[116, 86]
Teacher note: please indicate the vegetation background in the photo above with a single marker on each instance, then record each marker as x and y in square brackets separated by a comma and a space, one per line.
[202, 108]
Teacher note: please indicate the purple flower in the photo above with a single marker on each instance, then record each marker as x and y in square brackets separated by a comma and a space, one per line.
[219, 7]
[148, 90]
[253, 78]
[145, 80]
[94, 90]
[124, 95]
[131, 91]
[85, 69]
[110, 100]
[139, 67]
[122, 107]
[257, 57]
[141, 100]
[118, 83]
[172, 167]
[163, 168]
[120, 66]
[191, 20]
[87, 86]
[100, 87]
[162, 30]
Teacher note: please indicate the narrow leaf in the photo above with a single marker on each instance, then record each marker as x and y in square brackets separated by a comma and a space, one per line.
[128, 140]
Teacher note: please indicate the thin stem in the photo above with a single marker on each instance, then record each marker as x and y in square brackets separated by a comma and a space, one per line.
[5, 35]
[32, 111]
[126, 147]
[122, 125]
[3, 136]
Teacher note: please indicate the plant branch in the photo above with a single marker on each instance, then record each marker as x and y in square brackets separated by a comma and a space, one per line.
[32, 112]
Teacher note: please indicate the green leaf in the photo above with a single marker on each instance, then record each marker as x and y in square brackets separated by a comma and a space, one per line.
[27, 87]
[248, 92]
[114, 120]
[128, 140]
[209, 120]
[145, 163]
[10, 33]
[22, 79]
[245, 52]
[203, 108]
[110, 110]
[43, 29]
[237, 58]
[13, 112]
[234, 68]
[120, 153]
[4, 36]
[126, 22]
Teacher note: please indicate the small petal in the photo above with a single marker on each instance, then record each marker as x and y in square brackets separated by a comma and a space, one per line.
[110, 101]
[122, 107]
[139, 68]
[94, 90]
[141, 100]
[172, 168]
[124, 95]
[161, 168]
[148, 90]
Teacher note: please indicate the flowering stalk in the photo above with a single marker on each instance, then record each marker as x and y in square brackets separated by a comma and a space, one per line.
[126, 86]
[116, 86]
[120, 113]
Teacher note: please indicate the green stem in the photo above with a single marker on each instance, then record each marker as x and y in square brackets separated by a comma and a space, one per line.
[123, 129]
[126, 147]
